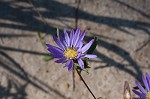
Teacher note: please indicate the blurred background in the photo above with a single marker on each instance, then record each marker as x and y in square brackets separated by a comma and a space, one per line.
[121, 26]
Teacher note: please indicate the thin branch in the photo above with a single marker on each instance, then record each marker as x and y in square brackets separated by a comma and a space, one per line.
[76, 25]
[40, 15]
[73, 77]
[76, 13]
[85, 84]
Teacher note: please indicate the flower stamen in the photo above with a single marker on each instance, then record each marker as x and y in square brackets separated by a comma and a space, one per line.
[71, 53]
[148, 95]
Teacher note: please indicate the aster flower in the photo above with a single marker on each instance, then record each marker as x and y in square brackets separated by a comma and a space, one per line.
[144, 92]
[71, 48]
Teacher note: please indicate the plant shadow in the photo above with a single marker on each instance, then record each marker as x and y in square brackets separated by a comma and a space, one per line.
[14, 69]
[28, 20]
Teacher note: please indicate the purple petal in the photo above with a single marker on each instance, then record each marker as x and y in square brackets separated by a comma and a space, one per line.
[81, 63]
[90, 56]
[62, 39]
[54, 50]
[62, 60]
[56, 55]
[58, 42]
[80, 39]
[87, 46]
[66, 37]
[145, 82]
[143, 96]
[148, 80]
[76, 36]
[67, 64]
[71, 37]
[137, 93]
[79, 46]
[82, 35]
[70, 66]
[140, 87]
[79, 55]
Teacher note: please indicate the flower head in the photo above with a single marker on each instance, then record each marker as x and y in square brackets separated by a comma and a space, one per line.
[144, 92]
[70, 48]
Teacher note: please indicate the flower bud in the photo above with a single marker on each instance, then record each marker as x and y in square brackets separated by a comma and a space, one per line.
[127, 93]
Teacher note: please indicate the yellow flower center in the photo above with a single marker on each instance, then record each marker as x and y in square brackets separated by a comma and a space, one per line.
[70, 53]
[148, 95]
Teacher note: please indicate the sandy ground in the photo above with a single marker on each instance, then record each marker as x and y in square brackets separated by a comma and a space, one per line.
[122, 27]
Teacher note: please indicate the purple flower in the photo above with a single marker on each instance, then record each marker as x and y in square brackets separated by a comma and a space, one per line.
[70, 48]
[144, 92]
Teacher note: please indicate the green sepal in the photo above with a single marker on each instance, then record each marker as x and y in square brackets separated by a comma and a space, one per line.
[47, 57]
[85, 60]
[79, 68]
[93, 46]
[76, 66]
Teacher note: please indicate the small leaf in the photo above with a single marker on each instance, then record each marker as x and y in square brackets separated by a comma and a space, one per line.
[99, 98]
[76, 66]
[40, 39]
[93, 46]
[47, 57]
[86, 70]
[86, 65]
